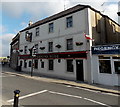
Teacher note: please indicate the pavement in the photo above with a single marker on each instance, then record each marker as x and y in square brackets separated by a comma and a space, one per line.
[96, 87]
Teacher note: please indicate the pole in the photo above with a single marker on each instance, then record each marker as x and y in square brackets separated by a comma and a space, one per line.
[32, 67]
[16, 98]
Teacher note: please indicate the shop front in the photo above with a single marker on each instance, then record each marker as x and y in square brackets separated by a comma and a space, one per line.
[107, 59]
[67, 65]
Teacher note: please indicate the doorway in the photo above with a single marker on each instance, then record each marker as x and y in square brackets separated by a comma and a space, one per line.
[79, 70]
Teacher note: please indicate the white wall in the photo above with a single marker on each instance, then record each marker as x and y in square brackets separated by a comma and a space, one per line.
[104, 78]
[59, 36]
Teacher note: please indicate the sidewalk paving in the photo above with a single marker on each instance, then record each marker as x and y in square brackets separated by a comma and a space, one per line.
[97, 87]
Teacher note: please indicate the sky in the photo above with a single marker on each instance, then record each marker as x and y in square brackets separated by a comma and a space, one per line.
[16, 14]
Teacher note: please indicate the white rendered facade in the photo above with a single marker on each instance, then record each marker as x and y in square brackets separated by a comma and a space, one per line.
[84, 64]
[59, 36]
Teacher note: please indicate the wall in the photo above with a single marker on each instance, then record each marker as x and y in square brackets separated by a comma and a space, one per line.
[59, 36]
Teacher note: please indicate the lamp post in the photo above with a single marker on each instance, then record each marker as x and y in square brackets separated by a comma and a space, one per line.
[32, 53]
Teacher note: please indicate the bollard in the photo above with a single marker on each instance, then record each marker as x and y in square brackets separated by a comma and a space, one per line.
[16, 98]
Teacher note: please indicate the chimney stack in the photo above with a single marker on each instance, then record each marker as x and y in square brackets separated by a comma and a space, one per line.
[30, 23]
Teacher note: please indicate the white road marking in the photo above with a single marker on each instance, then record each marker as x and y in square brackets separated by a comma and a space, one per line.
[65, 94]
[97, 102]
[79, 98]
[29, 95]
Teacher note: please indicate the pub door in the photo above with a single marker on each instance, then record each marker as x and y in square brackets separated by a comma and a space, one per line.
[79, 70]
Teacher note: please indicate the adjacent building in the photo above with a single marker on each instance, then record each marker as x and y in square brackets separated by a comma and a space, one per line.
[14, 52]
[61, 47]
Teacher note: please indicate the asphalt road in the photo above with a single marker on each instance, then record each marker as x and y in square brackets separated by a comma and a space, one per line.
[36, 92]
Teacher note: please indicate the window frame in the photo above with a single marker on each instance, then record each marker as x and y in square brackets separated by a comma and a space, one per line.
[37, 31]
[51, 64]
[30, 64]
[50, 46]
[69, 22]
[25, 49]
[51, 27]
[36, 46]
[69, 68]
[105, 58]
[36, 65]
[25, 63]
[69, 46]
[42, 64]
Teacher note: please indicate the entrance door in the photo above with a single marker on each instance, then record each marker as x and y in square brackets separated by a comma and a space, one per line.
[79, 70]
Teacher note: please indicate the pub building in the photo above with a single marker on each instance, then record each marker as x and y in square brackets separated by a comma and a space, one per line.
[57, 46]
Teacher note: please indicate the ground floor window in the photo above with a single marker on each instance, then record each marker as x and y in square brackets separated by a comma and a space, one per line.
[25, 64]
[105, 66]
[117, 67]
[51, 64]
[69, 65]
[36, 64]
[42, 64]
[30, 63]
[21, 63]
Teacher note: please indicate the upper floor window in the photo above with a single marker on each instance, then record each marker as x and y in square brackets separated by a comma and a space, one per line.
[51, 27]
[36, 48]
[69, 22]
[70, 44]
[37, 31]
[25, 49]
[50, 46]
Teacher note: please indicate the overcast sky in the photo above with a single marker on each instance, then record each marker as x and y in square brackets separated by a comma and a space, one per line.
[16, 14]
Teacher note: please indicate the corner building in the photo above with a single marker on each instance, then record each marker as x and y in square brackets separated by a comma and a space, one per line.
[61, 49]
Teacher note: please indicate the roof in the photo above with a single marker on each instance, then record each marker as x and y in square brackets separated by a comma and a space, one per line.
[62, 14]
[16, 38]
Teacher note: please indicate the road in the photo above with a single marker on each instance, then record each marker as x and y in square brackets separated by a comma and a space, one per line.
[36, 92]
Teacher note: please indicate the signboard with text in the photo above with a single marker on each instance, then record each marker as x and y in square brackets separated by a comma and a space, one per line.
[60, 55]
[106, 49]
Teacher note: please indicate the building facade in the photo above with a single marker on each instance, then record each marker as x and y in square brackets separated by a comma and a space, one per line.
[60, 47]
[14, 52]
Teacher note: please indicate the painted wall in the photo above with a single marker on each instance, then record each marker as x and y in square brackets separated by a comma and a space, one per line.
[59, 36]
